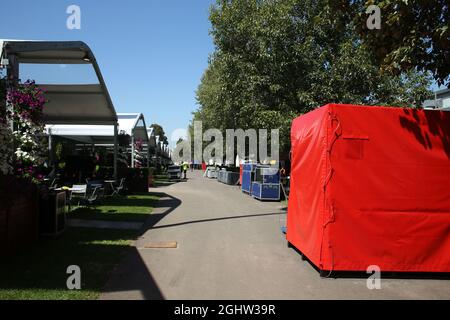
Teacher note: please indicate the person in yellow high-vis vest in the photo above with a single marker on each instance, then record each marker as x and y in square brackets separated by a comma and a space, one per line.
[185, 168]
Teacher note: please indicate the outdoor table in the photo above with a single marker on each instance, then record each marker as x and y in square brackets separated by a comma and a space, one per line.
[68, 190]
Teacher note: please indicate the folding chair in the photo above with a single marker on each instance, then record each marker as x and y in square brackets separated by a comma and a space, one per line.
[95, 195]
[121, 186]
[78, 192]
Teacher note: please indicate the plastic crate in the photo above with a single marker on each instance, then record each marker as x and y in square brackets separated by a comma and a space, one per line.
[247, 178]
[266, 191]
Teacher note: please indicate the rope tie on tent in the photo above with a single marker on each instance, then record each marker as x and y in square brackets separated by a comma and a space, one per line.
[336, 134]
[331, 219]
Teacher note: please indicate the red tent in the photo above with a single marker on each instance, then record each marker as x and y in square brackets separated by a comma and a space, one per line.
[371, 186]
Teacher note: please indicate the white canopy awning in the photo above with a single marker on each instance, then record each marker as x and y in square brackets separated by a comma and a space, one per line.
[67, 103]
[151, 137]
[132, 124]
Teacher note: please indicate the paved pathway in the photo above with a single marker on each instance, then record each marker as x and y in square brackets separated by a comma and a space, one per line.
[230, 247]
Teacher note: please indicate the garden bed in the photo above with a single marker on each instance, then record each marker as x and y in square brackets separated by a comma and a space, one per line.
[18, 214]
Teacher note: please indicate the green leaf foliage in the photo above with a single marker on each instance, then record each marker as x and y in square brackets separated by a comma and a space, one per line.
[277, 59]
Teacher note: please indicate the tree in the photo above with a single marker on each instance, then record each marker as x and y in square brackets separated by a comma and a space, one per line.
[413, 34]
[277, 59]
[159, 131]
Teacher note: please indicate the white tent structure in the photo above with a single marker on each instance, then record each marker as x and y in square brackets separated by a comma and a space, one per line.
[132, 124]
[151, 146]
[162, 151]
[162, 154]
[152, 137]
[74, 104]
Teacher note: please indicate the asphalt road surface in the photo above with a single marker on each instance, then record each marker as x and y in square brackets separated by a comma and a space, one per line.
[229, 246]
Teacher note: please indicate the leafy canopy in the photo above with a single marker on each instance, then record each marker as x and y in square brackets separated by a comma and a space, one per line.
[276, 59]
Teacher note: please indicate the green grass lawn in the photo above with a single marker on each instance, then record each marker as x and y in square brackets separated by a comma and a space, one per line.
[161, 180]
[135, 207]
[39, 271]
[161, 177]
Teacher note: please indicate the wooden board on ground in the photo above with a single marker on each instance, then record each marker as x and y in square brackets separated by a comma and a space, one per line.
[161, 245]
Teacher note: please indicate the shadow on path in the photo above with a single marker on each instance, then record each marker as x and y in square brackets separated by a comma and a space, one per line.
[132, 275]
[218, 219]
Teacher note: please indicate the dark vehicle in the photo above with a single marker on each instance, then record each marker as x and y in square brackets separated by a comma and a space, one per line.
[174, 173]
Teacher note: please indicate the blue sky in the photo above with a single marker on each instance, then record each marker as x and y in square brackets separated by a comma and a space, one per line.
[152, 53]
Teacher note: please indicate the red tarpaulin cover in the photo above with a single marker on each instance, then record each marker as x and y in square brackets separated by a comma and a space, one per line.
[371, 186]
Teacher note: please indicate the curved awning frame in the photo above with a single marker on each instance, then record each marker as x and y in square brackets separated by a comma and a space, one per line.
[102, 134]
[68, 103]
[132, 124]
